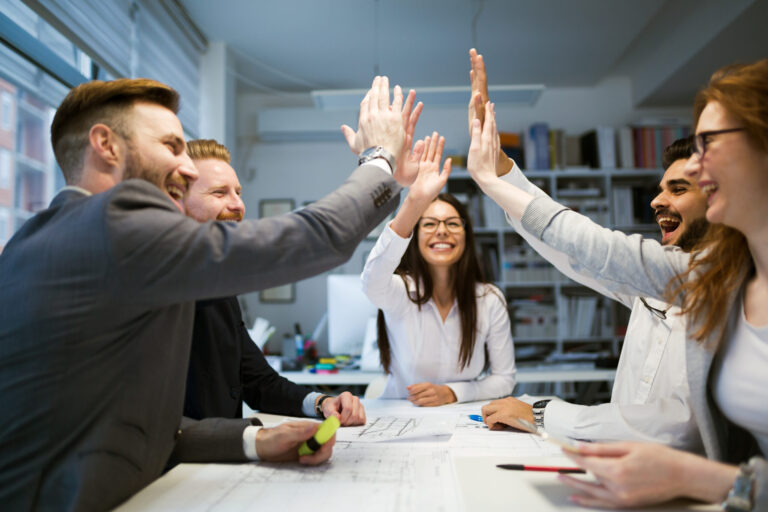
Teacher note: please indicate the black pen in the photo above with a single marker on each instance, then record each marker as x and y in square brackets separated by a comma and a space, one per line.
[554, 469]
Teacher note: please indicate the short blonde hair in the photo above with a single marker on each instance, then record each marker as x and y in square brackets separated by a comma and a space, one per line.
[202, 149]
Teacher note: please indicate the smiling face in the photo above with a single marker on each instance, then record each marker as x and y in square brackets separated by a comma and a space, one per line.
[679, 207]
[216, 193]
[732, 174]
[441, 248]
[157, 151]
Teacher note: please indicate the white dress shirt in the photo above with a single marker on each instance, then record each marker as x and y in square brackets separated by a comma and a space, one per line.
[423, 347]
[650, 397]
[741, 382]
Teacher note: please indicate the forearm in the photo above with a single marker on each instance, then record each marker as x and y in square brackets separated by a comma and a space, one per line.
[669, 422]
[512, 199]
[626, 264]
[704, 479]
[408, 215]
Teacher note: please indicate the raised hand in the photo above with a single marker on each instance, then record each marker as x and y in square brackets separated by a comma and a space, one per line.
[426, 185]
[430, 181]
[478, 98]
[484, 148]
[390, 126]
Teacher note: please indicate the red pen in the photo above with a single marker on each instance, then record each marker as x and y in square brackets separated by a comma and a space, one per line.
[553, 469]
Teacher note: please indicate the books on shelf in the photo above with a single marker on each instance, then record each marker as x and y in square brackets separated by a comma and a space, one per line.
[583, 317]
[636, 146]
[524, 265]
[533, 318]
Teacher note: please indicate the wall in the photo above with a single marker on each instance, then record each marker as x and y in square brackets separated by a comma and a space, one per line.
[305, 171]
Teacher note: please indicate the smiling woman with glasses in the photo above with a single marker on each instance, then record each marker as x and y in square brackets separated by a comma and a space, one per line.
[440, 324]
[701, 139]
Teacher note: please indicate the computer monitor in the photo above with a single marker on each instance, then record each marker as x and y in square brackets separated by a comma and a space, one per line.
[348, 313]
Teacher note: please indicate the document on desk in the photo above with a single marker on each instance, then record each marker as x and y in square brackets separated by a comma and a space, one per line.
[367, 477]
[393, 428]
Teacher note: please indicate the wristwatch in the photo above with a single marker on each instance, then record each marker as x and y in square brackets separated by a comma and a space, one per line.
[538, 412]
[319, 405]
[377, 152]
[740, 496]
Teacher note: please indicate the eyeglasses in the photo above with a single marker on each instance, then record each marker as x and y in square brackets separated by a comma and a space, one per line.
[452, 224]
[700, 139]
[661, 313]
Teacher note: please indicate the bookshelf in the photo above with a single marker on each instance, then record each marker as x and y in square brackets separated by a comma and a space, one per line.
[554, 319]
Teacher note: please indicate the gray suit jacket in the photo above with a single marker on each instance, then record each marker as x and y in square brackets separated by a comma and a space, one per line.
[635, 265]
[96, 310]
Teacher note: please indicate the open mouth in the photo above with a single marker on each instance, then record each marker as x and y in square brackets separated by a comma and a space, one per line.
[441, 246]
[176, 192]
[668, 224]
[709, 189]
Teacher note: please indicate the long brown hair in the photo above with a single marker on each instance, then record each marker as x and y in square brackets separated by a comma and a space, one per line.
[466, 274]
[721, 263]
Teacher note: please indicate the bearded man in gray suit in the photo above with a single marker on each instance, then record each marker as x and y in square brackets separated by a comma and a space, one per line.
[97, 303]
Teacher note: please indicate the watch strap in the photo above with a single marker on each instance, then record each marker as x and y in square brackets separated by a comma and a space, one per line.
[319, 406]
[740, 496]
[538, 412]
[377, 152]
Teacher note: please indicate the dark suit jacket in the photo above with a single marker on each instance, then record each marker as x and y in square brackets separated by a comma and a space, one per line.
[96, 309]
[226, 367]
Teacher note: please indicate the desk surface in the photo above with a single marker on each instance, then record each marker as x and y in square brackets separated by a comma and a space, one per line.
[569, 373]
[475, 482]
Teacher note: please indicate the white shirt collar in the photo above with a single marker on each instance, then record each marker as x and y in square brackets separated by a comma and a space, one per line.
[77, 189]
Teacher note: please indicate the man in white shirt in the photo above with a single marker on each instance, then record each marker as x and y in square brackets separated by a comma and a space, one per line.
[650, 395]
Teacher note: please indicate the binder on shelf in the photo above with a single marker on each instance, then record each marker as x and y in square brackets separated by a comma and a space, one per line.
[626, 148]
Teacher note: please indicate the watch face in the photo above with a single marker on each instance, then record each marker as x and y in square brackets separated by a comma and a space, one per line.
[540, 404]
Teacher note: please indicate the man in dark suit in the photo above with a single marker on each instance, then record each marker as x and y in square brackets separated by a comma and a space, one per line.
[225, 366]
[97, 297]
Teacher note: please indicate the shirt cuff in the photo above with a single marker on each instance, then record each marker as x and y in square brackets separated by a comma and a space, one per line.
[249, 442]
[539, 214]
[381, 164]
[464, 391]
[560, 416]
[308, 405]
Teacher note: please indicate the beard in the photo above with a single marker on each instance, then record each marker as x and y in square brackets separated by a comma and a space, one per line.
[230, 216]
[136, 168]
[693, 234]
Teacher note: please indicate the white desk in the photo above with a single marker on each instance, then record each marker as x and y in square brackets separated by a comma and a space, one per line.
[477, 484]
[570, 373]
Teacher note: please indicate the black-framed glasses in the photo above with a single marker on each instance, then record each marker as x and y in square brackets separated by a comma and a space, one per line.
[700, 139]
[661, 313]
[452, 224]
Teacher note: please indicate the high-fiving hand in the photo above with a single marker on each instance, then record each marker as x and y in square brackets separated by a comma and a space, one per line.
[389, 126]
[430, 181]
[477, 102]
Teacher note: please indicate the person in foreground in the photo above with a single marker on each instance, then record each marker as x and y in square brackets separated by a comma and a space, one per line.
[650, 396]
[225, 365]
[97, 297]
[438, 316]
[722, 289]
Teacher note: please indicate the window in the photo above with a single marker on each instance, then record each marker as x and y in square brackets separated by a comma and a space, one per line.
[84, 40]
[5, 168]
[6, 111]
[5, 226]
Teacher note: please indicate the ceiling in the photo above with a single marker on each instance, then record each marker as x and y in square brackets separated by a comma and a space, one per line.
[668, 48]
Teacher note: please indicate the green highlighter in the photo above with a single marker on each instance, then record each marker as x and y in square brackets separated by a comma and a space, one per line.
[323, 434]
